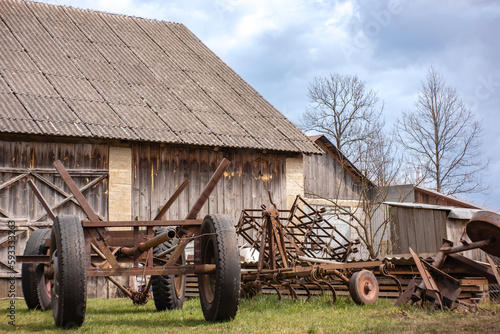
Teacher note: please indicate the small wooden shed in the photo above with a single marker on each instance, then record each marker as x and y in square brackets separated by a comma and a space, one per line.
[132, 107]
[424, 226]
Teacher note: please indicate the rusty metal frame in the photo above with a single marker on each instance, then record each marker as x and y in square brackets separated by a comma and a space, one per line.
[107, 258]
[297, 250]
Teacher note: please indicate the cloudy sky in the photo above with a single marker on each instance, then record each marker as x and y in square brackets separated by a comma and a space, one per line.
[279, 46]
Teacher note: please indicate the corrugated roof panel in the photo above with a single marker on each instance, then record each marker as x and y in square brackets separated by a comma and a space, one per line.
[158, 96]
[182, 120]
[119, 22]
[193, 138]
[112, 132]
[74, 88]
[56, 65]
[4, 88]
[10, 107]
[118, 54]
[48, 109]
[286, 127]
[19, 126]
[96, 113]
[46, 11]
[63, 128]
[84, 16]
[28, 83]
[173, 78]
[306, 146]
[139, 117]
[233, 103]
[160, 33]
[9, 42]
[17, 61]
[117, 92]
[23, 23]
[38, 43]
[100, 33]
[136, 74]
[62, 29]
[156, 135]
[97, 70]
[80, 49]
[262, 106]
[239, 141]
[154, 59]
[196, 100]
[189, 61]
[221, 123]
[10, 8]
[136, 39]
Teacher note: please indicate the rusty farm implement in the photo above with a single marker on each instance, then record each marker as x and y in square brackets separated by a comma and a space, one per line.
[57, 262]
[298, 249]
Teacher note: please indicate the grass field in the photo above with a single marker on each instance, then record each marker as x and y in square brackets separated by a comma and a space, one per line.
[262, 315]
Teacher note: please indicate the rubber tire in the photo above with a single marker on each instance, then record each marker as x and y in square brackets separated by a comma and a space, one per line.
[219, 292]
[34, 246]
[43, 288]
[165, 295]
[356, 288]
[69, 290]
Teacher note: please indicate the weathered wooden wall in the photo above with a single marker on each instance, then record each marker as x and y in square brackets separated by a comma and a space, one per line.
[325, 177]
[421, 229]
[24, 160]
[158, 170]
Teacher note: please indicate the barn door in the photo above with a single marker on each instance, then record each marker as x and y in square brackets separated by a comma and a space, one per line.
[20, 210]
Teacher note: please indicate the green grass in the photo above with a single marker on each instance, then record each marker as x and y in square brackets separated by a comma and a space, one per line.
[262, 315]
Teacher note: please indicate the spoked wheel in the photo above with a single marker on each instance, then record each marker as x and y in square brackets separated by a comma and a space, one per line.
[69, 288]
[220, 290]
[363, 287]
[35, 298]
[169, 291]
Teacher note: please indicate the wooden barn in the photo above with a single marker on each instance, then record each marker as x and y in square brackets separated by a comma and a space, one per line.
[132, 107]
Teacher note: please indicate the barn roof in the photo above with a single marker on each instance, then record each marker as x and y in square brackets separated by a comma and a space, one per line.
[81, 73]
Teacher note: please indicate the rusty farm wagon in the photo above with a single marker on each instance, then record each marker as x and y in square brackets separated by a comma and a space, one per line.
[57, 262]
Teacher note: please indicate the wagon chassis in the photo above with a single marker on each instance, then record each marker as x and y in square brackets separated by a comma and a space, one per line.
[149, 248]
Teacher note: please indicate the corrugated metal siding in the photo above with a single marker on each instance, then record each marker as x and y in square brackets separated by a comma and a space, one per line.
[53, 52]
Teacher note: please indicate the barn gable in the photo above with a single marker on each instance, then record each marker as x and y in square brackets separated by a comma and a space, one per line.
[80, 73]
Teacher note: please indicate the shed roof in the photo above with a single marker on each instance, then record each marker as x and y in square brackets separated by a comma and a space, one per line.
[82, 73]
[453, 212]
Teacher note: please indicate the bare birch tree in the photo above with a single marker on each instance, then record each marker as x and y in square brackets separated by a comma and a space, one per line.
[344, 111]
[443, 138]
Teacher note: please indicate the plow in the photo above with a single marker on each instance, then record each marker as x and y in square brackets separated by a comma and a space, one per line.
[300, 249]
[57, 262]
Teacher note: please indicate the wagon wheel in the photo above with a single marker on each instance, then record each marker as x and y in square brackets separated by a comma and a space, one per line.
[35, 297]
[363, 287]
[169, 291]
[220, 290]
[69, 288]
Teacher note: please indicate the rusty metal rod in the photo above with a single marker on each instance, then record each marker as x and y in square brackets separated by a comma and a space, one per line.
[172, 200]
[208, 189]
[45, 205]
[145, 246]
[474, 245]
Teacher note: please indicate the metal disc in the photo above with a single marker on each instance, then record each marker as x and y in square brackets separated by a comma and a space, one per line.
[485, 225]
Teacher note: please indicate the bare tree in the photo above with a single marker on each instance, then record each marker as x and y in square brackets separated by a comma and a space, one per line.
[443, 138]
[367, 215]
[343, 110]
